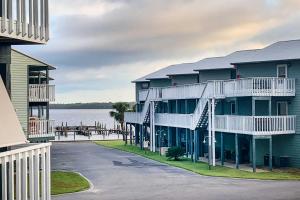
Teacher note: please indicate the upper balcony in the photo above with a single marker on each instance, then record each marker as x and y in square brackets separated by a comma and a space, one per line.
[41, 93]
[258, 86]
[27, 22]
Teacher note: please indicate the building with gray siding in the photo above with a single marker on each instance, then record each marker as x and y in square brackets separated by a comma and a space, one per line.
[240, 108]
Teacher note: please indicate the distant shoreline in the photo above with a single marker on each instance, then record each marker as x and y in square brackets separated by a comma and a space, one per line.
[106, 105]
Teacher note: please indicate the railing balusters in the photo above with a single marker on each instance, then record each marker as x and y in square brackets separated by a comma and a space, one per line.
[260, 125]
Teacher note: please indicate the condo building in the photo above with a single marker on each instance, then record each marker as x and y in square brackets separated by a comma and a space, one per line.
[241, 108]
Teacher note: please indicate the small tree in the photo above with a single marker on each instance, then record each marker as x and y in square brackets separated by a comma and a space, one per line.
[118, 115]
[174, 153]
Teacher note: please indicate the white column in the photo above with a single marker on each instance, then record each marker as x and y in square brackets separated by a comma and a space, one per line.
[9, 16]
[36, 18]
[24, 176]
[11, 180]
[36, 174]
[151, 127]
[31, 175]
[209, 132]
[213, 133]
[4, 178]
[18, 177]
[18, 25]
[30, 26]
[46, 20]
[4, 16]
[42, 14]
[48, 174]
[23, 17]
[43, 174]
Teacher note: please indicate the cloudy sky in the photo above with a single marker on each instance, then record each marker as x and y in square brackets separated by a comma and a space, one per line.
[99, 46]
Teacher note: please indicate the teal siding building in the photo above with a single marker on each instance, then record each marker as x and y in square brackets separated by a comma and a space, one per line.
[241, 108]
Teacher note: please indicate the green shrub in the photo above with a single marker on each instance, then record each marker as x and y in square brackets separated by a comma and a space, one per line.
[174, 153]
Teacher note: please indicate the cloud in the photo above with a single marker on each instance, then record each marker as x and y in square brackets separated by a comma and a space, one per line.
[93, 40]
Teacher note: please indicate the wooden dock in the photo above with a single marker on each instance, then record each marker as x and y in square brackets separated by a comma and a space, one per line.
[88, 130]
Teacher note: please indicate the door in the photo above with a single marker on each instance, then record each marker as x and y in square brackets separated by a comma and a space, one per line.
[282, 108]
[281, 74]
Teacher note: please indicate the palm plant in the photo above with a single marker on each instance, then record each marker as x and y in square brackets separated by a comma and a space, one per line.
[118, 114]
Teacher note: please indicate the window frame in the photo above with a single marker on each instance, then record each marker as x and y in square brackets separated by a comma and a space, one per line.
[286, 70]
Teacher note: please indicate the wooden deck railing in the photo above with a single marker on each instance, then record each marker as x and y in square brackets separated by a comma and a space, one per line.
[41, 93]
[256, 125]
[25, 172]
[41, 128]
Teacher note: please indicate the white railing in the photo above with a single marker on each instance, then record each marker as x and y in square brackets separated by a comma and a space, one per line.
[143, 95]
[41, 128]
[264, 86]
[132, 117]
[41, 93]
[25, 173]
[192, 91]
[173, 120]
[139, 117]
[256, 125]
[20, 29]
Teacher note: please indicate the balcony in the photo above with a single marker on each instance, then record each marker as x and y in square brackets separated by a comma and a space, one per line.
[174, 120]
[25, 171]
[256, 125]
[142, 95]
[31, 24]
[133, 117]
[192, 91]
[41, 93]
[41, 128]
[260, 87]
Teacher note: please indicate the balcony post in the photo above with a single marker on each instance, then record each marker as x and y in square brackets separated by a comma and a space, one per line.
[136, 134]
[191, 145]
[18, 30]
[253, 154]
[236, 151]
[30, 25]
[4, 16]
[209, 134]
[222, 149]
[177, 137]
[186, 143]
[23, 17]
[213, 133]
[169, 137]
[130, 134]
[270, 153]
[141, 136]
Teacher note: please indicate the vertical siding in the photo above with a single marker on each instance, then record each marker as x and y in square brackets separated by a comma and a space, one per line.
[19, 85]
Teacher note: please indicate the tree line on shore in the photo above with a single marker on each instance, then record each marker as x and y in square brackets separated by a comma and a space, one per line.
[101, 105]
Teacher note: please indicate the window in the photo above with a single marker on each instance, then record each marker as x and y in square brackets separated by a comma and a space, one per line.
[145, 85]
[232, 108]
[282, 71]
[282, 108]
